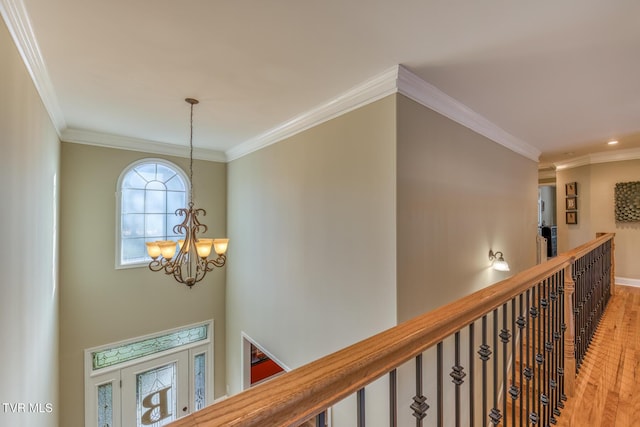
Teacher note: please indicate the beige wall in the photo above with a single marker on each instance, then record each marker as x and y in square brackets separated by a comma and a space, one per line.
[29, 172]
[596, 185]
[312, 223]
[100, 304]
[459, 195]
[570, 236]
[334, 203]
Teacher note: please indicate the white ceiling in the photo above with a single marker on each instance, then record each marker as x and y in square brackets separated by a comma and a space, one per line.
[562, 76]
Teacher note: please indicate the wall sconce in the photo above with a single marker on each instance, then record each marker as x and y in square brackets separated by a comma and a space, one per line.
[499, 263]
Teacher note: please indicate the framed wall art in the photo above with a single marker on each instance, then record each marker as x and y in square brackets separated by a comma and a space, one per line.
[572, 203]
[571, 188]
[627, 201]
[572, 217]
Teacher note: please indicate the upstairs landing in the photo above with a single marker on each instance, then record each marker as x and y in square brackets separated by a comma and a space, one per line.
[608, 386]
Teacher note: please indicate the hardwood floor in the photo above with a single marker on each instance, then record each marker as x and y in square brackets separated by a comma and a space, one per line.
[608, 385]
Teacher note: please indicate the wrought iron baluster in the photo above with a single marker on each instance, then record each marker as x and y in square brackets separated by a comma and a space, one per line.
[393, 398]
[545, 351]
[539, 355]
[472, 363]
[527, 371]
[457, 377]
[578, 309]
[485, 354]
[361, 409]
[522, 324]
[495, 415]
[440, 373]
[534, 414]
[419, 404]
[505, 337]
[513, 389]
[588, 309]
[609, 249]
[585, 305]
[563, 329]
[555, 336]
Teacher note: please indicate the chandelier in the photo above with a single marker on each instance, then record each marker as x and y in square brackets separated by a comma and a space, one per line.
[191, 263]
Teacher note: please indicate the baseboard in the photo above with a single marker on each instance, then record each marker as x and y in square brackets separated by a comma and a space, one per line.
[627, 282]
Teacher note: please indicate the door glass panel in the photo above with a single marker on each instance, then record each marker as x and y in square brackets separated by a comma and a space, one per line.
[105, 405]
[156, 392]
[200, 381]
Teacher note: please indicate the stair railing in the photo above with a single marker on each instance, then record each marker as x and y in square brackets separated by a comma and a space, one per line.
[514, 349]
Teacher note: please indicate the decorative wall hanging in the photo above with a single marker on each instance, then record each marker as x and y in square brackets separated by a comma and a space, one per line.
[627, 201]
[571, 190]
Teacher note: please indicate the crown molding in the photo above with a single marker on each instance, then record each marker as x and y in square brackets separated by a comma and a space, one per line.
[371, 90]
[573, 163]
[601, 157]
[546, 173]
[431, 97]
[135, 144]
[397, 79]
[17, 20]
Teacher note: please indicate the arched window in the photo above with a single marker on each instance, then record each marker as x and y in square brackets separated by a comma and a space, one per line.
[149, 192]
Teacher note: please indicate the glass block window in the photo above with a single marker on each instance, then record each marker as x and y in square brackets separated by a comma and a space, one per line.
[150, 191]
[127, 352]
[199, 365]
[105, 405]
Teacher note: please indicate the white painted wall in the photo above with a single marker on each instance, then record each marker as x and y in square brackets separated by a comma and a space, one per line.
[29, 172]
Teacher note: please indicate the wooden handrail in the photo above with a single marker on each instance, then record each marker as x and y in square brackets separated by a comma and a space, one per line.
[296, 396]
[589, 246]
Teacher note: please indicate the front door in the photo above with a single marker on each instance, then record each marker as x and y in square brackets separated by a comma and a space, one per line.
[156, 392]
[150, 380]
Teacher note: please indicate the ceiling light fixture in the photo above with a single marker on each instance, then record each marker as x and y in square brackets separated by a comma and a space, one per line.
[499, 263]
[191, 263]
[612, 142]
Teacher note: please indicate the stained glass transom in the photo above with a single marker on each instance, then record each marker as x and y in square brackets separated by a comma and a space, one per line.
[127, 352]
[150, 194]
[200, 380]
[105, 405]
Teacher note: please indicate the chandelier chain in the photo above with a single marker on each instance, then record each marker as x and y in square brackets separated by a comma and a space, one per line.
[191, 154]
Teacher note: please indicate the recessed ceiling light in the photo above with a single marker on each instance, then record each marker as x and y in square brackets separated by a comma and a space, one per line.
[612, 142]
